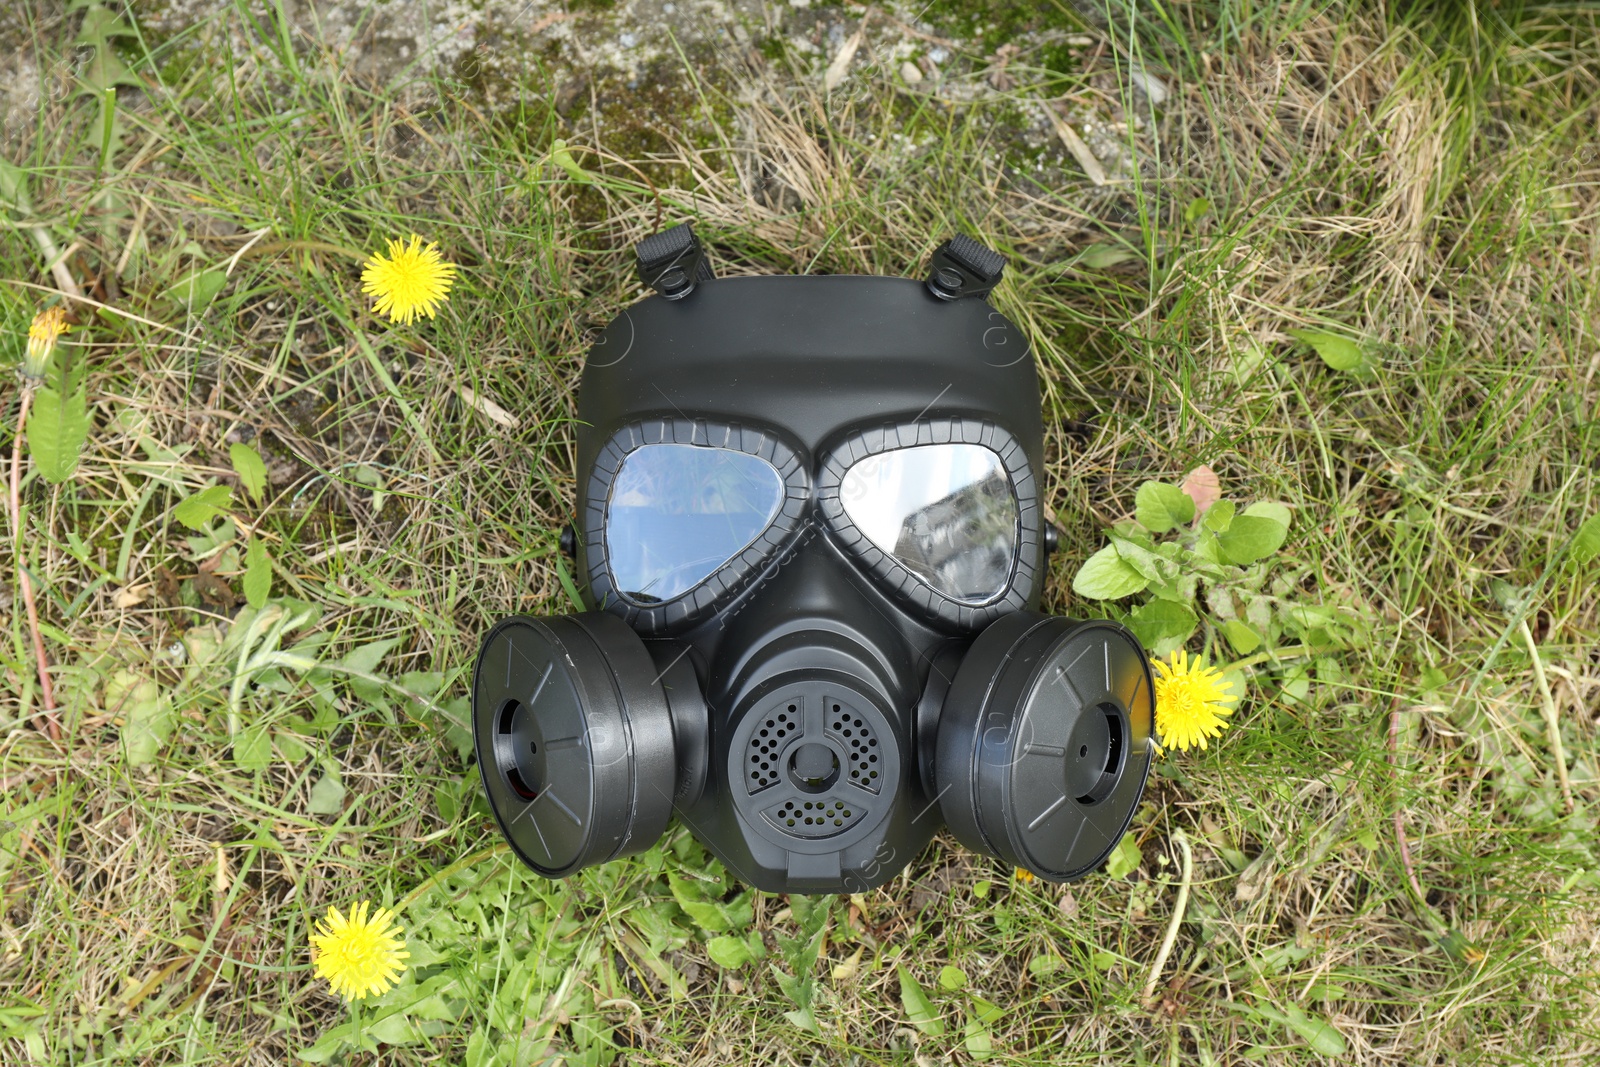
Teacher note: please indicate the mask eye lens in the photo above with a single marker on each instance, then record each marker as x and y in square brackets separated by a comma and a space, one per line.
[947, 513]
[679, 512]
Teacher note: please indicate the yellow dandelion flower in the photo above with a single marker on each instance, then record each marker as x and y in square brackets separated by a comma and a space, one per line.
[1191, 701]
[359, 955]
[412, 281]
[43, 332]
[1023, 875]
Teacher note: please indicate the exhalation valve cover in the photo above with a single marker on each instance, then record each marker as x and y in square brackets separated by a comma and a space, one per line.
[811, 548]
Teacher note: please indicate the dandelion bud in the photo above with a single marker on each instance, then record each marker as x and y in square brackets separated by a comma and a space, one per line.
[46, 328]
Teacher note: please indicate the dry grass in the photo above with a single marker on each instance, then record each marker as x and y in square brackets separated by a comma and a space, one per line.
[1362, 176]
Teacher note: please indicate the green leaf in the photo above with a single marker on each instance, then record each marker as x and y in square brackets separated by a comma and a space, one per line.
[1586, 542]
[977, 1039]
[1198, 208]
[421, 683]
[561, 156]
[330, 1044]
[364, 659]
[374, 480]
[1043, 965]
[1159, 507]
[731, 952]
[1510, 597]
[952, 978]
[402, 1027]
[1340, 353]
[1329, 992]
[289, 745]
[1317, 1032]
[447, 798]
[1219, 516]
[456, 713]
[1249, 538]
[1162, 620]
[197, 510]
[803, 1019]
[106, 69]
[147, 714]
[702, 902]
[1243, 639]
[801, 952]
[14, 187]
[197, 289]
[1101, 256]
[1246, 361]
[481, 1051]
[924, 1016]
[202, 643]
[1233, 686]
[252, 749]
[706, 915]
[257, 574]
[1181, 590]
[690, 895]
[1125, 858]
[1153, 566]
[1271, 509]
[251, 470]
[327, 796]
[57, 428]
[847, 969]
[657, 923]
[1107, 576]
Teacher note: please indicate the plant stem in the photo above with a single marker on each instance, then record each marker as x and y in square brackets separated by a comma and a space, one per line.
[306, 246]
[1289, 652]
[358, 1023]
[1182, 840]
[1399, 811]
[1551, 724]
[46, 690]
[58, 265]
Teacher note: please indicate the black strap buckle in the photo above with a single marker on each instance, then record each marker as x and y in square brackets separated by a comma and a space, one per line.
[673, 262]
[962, 267]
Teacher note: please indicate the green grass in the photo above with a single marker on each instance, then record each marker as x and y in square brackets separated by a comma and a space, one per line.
[1417, 177]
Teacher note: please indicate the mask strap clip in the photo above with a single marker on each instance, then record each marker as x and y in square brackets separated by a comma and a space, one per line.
[673, 262]
[962, 267]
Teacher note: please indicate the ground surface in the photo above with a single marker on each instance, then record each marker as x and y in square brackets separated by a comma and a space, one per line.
[1423, 184]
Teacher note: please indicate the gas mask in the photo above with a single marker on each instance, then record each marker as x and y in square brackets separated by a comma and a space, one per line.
[810, 535]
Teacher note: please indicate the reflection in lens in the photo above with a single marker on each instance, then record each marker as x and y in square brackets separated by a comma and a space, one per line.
[679, 512]
[947, 513]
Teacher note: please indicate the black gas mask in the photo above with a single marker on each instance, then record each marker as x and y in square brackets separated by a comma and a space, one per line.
[810, 533]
